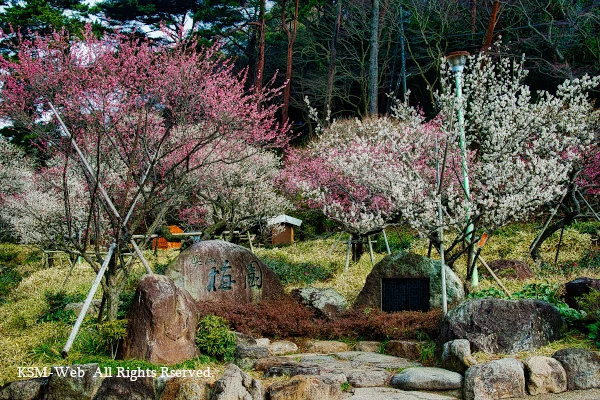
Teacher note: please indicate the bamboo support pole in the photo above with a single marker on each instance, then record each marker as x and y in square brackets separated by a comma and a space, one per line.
[88, 301]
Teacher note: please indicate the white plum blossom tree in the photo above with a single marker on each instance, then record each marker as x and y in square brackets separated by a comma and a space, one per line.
[521, 152]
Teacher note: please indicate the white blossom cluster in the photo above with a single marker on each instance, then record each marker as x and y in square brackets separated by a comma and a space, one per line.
[521, 152]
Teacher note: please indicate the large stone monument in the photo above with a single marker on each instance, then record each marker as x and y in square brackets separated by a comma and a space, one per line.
[407, 281]
[215, 270]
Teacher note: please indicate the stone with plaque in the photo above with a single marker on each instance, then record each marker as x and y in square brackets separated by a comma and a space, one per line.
[215, 270]
[408, 282]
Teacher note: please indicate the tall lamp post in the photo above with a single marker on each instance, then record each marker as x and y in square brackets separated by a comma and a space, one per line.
[457, 61]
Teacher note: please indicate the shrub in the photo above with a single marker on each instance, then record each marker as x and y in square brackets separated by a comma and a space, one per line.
[214, 338]
[296, 273]
[398, 240]
[55, 310]
[288, 318]
[590, 304]
[110, 335]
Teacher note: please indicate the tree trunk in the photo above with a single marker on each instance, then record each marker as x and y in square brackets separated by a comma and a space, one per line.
[373, 60]
[333, 56]
[260, 63]
[357, 249]
[291, 38]
[489, 35]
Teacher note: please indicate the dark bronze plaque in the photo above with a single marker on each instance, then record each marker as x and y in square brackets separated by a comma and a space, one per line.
[405, 294]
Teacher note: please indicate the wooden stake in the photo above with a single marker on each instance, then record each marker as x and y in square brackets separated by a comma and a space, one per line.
[348, 254]
[387, 245]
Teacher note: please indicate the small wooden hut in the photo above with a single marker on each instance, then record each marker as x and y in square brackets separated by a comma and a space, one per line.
[283, 228]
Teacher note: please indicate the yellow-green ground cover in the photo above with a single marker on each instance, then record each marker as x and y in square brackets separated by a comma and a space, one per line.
[24, 341]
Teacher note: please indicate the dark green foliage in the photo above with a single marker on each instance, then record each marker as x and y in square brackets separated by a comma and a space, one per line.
[55, 310]
[296, 273]
[161, 268]
[398, 240]
[591, 260]
[486, 293]
[110, 335]
[215, 339]
[125, 300]
[9, 279]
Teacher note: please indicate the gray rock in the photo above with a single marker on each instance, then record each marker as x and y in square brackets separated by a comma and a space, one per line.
[237, 385]
[253, 352]
[582, 368]
[243, 339]
[367, 377]
[578, 287]
[544, 375]
[376, 360]
[281, 347]
[118, 388]
[498, 379]
[214, 270]
[370, 346]
[327, 302]
[305, 387]
[503, 326]
[456, 356]
[427, 378]
[408, 265]
[263, 364]
[403, 348]
[383, 393]
[31, 389]
[263, 342]
[186, 389]
[326, 346]
[292, 369]
[75, 382]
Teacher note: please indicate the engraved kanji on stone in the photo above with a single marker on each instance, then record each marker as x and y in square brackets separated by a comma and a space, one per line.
[226, 279]
[254, 276]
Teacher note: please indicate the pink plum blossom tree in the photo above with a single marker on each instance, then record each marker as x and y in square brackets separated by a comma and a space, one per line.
[143, 117]
[522, 152]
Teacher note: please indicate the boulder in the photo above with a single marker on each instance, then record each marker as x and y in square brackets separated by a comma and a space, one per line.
[74, 382]
[578, 287]
[246, 356]
[408, 265]
[263, 342]
[117, 388]
[215, 270]
[511, 269]
[162, 323]
[366, 345]
[385, 393]
[427, 378]
[544, 375]
[499, 379]
[237, 385]
[404, 349]
[263, 364]
[242, 338]
[582, 368]
[186, 389]
[281, 347]
[305, 387]
[292, 369]
[367, 377]
[326, 346]
[327, 302]
[503, 326]
[31, 389]
[456, 356]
